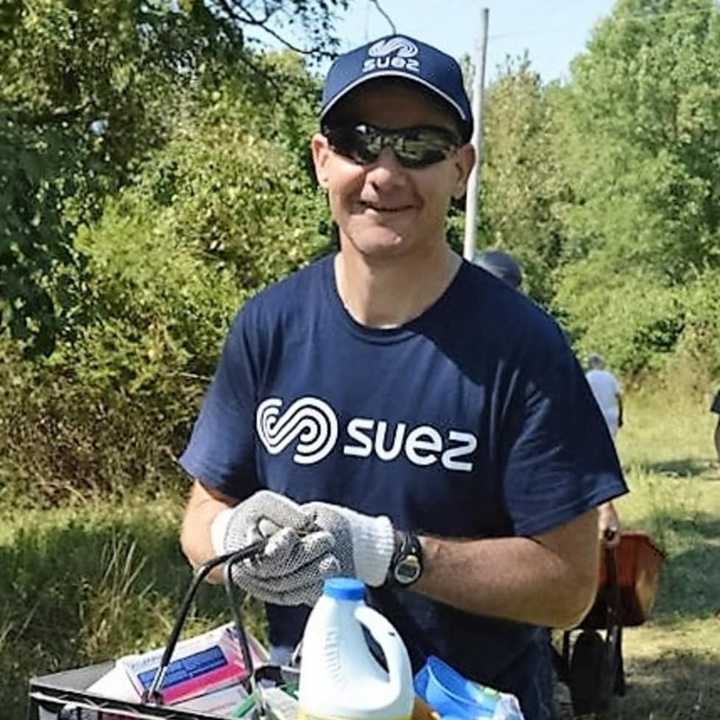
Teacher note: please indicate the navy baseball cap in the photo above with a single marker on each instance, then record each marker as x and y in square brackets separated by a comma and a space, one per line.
[502, 265]
[401, 57]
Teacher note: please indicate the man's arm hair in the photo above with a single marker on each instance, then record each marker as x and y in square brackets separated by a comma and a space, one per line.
[547, 580]
[203, 506]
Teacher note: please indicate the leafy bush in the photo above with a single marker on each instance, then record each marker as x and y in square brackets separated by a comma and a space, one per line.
[523, 186]
[699, 344]
[631, 318]
[215, 216]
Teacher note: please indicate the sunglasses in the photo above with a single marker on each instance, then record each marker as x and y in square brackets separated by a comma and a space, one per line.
[414, 147]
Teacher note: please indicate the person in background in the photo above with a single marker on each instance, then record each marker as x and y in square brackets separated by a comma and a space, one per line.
[365, 423]
[608, 394]
[715, 407]
[502, 265]
[607, 391]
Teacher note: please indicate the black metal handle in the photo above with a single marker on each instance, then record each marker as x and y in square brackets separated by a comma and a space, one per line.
[612, 588]
[154, 693]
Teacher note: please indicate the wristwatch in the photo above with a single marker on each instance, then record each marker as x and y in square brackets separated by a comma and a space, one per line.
[406, 565]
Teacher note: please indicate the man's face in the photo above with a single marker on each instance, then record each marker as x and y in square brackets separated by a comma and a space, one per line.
[384, 209]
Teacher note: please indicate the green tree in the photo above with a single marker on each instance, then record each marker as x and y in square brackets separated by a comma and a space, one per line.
[647, 108]
[87, 90]
[641, 147]
[224, 208]
[522, 184]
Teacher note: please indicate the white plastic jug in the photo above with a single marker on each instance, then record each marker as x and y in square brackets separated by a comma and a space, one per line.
[339, 677]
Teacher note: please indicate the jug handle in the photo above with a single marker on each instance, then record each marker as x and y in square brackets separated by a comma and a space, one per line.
[385, 635]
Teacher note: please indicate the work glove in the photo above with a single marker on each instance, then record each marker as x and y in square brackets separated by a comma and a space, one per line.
[288, 571]
[305, 545]
[364, 545]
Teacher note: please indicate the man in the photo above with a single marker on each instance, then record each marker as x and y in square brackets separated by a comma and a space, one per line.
[715, 407]
[453, 476]
[607, 391]
[608, 394]
[502, 265]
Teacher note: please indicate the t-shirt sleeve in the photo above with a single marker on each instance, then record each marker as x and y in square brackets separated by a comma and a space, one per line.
[560, 459]
[715, 407]
[221, 450]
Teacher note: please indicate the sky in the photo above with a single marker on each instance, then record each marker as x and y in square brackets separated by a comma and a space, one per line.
[552, 31]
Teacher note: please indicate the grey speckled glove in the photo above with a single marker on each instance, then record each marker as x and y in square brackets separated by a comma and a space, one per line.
[364, 544]
[298, 554]
[306, 544]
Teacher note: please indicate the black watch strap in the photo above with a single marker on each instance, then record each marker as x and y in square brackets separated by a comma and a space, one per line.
[406, 565]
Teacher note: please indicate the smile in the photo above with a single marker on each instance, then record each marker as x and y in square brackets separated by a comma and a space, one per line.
[387, 209]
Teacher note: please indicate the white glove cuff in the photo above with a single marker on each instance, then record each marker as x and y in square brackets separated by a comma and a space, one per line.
[373, 541]
[218, 530]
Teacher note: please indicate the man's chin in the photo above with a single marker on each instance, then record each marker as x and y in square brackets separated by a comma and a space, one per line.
[381, 244]
[379, 237]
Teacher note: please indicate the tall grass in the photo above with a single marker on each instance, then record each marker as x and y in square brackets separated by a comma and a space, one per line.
[88, 582]
[673, 659]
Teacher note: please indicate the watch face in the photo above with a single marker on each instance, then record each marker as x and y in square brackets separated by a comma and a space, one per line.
[407, 570]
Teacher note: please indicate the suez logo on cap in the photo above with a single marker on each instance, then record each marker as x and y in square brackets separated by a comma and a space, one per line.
[403, 54]
[311, 426]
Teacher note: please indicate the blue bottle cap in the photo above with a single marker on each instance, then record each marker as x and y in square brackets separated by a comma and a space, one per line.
[343, 588]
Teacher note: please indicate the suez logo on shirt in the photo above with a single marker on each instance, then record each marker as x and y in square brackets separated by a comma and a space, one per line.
[310, 425]
[403, 55]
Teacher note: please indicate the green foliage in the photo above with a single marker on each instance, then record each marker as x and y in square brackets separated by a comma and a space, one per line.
[522, 183]
[88, 91]
[699, 344]
[37, 167]
[90, 582]
[79, 99]
[628, 316]
[117, 66]
[646, 108]
[639, 123]
[223, 209]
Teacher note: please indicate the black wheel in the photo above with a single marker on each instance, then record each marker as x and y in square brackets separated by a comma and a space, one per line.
[591, 674]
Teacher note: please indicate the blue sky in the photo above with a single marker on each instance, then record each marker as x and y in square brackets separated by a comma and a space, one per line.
[552, 31]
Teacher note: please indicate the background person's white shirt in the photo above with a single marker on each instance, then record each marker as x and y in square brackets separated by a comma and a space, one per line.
[606, 388]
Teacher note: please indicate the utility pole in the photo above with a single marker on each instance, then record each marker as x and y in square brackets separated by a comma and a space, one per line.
[478, 93]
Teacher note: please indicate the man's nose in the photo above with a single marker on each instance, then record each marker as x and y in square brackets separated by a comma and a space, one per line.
[387, 169]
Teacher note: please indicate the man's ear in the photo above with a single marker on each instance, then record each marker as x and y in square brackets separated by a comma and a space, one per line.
[464, 163]
[320, 155]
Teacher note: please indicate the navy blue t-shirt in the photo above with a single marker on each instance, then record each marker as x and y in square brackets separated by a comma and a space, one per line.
[474, 420]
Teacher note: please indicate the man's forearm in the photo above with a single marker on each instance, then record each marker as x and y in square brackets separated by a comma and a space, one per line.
[518, 579]
[196, 535]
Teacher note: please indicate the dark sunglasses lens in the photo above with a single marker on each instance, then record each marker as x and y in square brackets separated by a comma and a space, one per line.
[360, 144]
[415, 147]
[422, 147]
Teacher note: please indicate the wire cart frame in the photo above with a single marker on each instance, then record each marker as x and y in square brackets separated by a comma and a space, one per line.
[65, 696]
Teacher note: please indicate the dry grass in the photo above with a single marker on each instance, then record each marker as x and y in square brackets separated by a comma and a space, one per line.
[672, 661]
